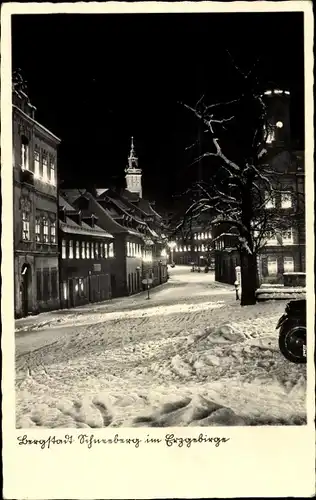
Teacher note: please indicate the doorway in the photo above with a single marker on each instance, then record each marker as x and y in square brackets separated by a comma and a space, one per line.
[26, 289]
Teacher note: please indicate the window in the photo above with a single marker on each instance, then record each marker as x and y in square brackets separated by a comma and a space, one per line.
[65, 290]
[53, 232]
[45, 168]
[45, 229]
[96, 250]
[25, 153]
[63, 249]
[271, 239]
[77, 250]
[272, 266]
[71, 249]
[288, 264]
[81, 287]
[202, 236]
[101, 250]
[202, 248]
[39, 284]
[111, 250]
[269, 134]
[52, 176]
[46, 284]
[199, 236]
[184, 248]
[286, 200]
[37, 228]
[83, 249]
[195, 236]
[36, 163]
[92, 250]
[25, 226]
[54, 288]
[269, 200]
[287, 237]
[88, 250]
[105, 250]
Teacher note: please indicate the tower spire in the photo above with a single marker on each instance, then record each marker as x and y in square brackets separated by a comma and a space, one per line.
[132, 159]
[133, 172]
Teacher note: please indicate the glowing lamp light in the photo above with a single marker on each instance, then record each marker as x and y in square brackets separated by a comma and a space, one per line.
[171, 245]
[279, 124]
[268, 92]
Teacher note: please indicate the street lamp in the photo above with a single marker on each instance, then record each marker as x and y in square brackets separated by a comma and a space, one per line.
[171, 245]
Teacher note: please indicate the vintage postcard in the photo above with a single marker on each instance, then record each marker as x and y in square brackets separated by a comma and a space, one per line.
[157, 250]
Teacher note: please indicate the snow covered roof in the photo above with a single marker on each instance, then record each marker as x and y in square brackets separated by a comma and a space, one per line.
[71, 227]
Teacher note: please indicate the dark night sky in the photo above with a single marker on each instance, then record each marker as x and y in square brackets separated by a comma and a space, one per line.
[98, 79]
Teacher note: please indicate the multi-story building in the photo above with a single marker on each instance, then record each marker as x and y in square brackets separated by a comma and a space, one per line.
[35, 209]
[284, 248]
[139, 244]
[86, 257]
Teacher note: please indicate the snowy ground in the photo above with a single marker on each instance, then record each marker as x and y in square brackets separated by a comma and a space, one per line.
[188, 356]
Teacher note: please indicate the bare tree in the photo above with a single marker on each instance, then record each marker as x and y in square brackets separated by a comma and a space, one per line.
[241, 182]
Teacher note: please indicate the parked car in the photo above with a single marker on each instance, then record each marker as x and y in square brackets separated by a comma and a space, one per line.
[292, 331]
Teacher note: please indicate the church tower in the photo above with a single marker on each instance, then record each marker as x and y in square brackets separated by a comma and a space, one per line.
[133, 173]
[278, 116]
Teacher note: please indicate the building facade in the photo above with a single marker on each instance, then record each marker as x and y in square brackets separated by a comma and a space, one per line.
[36, 279]
[283, 249]
[86, 256]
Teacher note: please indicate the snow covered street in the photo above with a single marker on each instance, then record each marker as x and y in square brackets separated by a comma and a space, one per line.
[188, 356]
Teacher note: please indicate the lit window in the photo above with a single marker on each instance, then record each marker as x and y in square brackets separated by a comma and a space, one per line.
[45, 168]
[288, 264]
[272, 266]
[52, 177]
[105, 250]
[286, 200]
[96, 250]
[70, 249]
[269, 200]
[81, 284]
[45, 229]
[111, 250]
[25, 154]
[53, 232]
[36, 164]
[203, 248]
[65, 291]
[184, 248]
[269, 134]
[287, 237]
[92, 250]
[83, 249]
[63, 249]
[199, 236]
[25, 226]
[202, 236]
[77, 250]
[88, 250]
[195, 236]
[37, 229]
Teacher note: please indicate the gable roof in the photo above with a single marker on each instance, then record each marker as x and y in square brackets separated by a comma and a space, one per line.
[70, 226]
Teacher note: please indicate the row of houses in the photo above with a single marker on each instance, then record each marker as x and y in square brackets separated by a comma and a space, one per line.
[284, 250]
[73, 246]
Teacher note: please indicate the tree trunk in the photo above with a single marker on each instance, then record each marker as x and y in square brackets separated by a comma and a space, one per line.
[249, 278]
